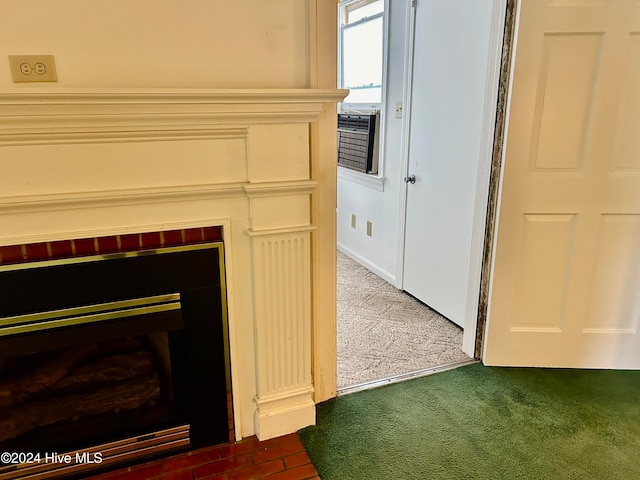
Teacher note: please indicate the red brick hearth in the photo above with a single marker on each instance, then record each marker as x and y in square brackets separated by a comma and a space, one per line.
[282, 458]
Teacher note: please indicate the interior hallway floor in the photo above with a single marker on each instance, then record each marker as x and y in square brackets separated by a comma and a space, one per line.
[383, 331]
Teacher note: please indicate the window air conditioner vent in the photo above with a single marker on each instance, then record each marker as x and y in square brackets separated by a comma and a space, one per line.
[358, 141]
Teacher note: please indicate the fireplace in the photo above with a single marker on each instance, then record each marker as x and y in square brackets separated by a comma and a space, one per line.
[112, 357]
[257, 164]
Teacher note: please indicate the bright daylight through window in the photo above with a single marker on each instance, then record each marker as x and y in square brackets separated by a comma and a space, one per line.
[361, 40]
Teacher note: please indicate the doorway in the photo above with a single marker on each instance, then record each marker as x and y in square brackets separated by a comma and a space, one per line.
[396, 209]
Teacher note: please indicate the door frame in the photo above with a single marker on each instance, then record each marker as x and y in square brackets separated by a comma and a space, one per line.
[485, 167]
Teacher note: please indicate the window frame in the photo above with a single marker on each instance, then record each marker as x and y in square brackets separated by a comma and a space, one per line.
[346, 5]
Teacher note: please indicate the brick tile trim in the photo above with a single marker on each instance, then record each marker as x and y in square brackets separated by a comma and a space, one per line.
[33, 252]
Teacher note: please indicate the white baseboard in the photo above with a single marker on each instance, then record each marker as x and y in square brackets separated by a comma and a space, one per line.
[365, 263]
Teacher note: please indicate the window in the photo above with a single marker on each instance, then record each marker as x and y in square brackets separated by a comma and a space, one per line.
[361, 52]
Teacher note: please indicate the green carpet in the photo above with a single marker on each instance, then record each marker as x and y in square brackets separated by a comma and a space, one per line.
[479, 422]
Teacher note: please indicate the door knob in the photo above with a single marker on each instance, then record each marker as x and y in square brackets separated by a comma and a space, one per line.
[410, 179]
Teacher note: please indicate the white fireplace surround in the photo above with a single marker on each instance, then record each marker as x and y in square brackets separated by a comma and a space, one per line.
[78, 164]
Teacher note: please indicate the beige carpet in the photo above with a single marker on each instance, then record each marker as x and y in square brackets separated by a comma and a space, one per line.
[383, 331]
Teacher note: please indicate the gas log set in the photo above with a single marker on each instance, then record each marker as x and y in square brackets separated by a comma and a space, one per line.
[66, 385]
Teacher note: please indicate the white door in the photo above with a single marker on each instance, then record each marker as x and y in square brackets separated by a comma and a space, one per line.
[566, 275]
[449, 80]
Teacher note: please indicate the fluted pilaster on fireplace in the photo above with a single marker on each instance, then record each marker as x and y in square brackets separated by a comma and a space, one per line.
[281, 260]
[281, 265]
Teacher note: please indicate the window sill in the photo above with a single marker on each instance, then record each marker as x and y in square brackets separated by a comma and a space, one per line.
[372, 181]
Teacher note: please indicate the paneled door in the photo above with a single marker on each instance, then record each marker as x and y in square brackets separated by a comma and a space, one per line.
[566, 277]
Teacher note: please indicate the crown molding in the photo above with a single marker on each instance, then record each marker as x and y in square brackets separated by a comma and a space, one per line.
[166, 96]
[43, 117]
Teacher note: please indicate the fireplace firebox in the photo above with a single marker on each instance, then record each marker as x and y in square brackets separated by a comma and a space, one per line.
[110, 358]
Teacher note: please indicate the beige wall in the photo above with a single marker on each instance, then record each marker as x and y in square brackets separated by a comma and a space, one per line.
[162, 43]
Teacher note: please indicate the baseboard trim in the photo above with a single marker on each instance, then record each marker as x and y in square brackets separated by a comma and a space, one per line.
[365, 263]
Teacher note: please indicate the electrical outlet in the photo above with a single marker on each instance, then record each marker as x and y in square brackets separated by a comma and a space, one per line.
[32, 68]
[398, 110]
[369, 227]
[353, 220]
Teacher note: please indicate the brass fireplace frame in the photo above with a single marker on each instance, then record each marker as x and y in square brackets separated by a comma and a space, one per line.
[115, 452]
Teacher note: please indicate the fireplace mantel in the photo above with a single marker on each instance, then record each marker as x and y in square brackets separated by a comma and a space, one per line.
[259, 163]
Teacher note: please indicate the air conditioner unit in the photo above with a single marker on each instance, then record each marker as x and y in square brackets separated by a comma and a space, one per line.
[358, 141]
